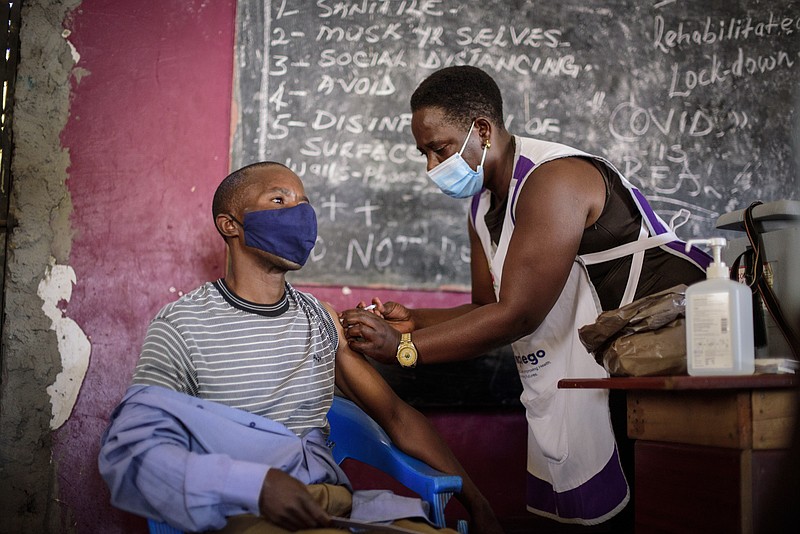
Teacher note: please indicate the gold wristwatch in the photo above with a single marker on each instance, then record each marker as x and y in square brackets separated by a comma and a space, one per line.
[406, 351]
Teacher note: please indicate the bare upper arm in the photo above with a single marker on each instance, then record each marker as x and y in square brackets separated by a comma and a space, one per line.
[482, 288]
[558, 201]
[362, 383]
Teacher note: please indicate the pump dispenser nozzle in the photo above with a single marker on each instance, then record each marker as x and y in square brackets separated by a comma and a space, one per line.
[717, 269]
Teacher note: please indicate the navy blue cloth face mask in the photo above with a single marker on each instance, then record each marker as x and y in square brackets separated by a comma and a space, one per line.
[289, 233]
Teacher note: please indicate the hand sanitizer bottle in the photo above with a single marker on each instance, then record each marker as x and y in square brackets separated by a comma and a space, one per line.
[719, 320]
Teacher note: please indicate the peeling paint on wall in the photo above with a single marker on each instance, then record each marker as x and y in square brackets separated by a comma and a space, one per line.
[149, 76]
[55, 291]
[41, 206]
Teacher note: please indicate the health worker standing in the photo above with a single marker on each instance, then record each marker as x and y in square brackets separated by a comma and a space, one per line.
[556, 236]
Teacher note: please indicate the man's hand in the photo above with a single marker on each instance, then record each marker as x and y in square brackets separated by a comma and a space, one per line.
[286, 502]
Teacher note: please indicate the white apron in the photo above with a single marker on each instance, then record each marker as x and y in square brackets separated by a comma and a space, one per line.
[574, 473]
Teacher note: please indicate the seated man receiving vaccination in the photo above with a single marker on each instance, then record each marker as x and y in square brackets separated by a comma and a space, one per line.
[224, 426]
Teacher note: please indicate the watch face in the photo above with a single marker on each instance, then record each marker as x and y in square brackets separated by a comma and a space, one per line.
[407, 355]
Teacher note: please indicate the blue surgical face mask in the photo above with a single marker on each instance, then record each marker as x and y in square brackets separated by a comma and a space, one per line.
[288, 233]
[455, 177]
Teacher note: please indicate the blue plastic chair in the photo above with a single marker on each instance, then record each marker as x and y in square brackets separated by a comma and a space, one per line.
[356, 435]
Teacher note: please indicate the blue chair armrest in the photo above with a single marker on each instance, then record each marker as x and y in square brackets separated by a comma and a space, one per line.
[356, 435]
[157, 527]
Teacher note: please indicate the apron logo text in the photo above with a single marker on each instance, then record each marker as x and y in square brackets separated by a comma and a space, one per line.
[530, 359]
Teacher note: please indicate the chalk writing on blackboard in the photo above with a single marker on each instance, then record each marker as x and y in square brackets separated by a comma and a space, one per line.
[692, 100]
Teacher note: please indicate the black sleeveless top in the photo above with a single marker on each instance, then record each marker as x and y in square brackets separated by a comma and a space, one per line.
[618, 224]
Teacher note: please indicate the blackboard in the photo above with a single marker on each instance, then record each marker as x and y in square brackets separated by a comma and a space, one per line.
[693, 100]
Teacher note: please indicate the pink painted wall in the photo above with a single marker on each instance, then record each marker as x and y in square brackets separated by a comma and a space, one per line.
[148, 138]
[148, 142]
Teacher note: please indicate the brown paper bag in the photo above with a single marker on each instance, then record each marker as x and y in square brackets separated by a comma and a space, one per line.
[644, 338]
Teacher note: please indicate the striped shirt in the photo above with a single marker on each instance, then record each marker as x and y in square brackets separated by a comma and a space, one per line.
[276, 361]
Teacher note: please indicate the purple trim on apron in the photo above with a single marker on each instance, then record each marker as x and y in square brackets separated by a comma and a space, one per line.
[595, 498]
[476, 200]
[648, 212]
[697, 256]
[524, 166]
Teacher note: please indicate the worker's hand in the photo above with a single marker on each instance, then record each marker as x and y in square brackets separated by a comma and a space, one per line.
[397, 315]
[286, 502]
[368, 334]
[376, 307]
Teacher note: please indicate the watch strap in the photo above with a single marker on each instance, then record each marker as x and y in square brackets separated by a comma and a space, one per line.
[406, 351]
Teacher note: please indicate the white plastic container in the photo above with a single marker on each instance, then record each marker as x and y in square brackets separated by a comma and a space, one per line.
[719, 321]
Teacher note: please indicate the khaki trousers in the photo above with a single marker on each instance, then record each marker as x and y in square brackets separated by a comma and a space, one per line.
[336, 500]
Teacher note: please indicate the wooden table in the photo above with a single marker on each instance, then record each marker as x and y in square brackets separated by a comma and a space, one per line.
[709, 450]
